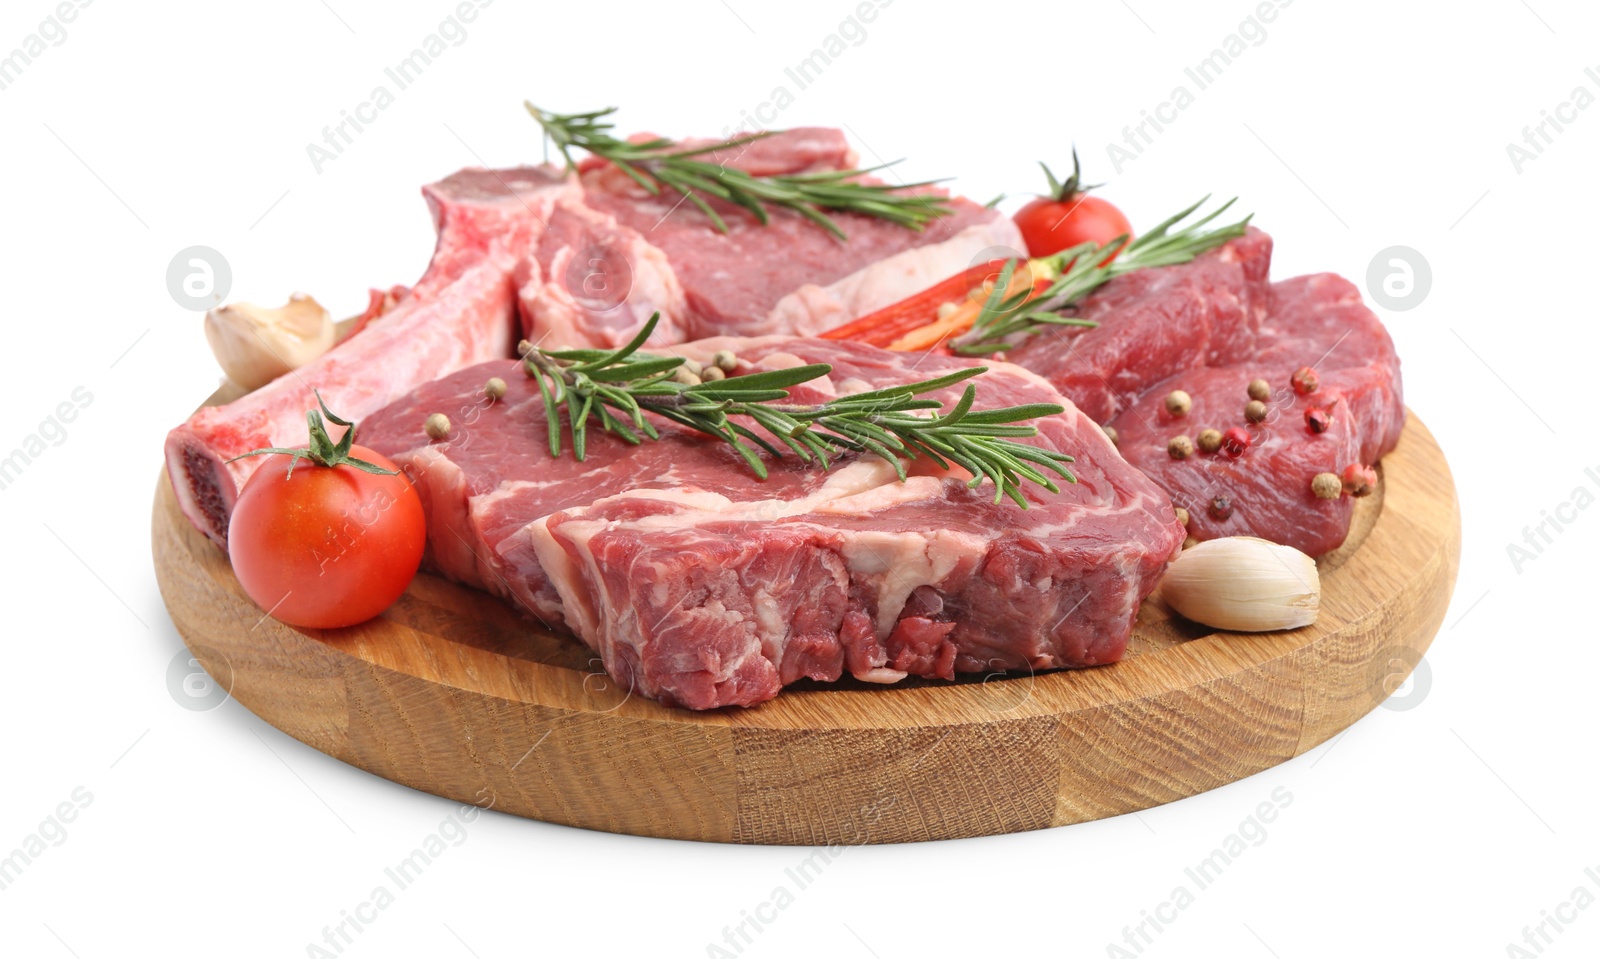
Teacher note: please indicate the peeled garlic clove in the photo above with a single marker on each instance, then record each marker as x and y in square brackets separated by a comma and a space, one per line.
[256, 344]
[1243, 584]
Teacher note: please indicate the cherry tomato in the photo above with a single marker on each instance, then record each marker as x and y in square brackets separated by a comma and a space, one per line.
[1068, 215]
[1050, 226]
[327, 546]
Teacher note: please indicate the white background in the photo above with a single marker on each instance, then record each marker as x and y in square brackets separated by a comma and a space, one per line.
[1443, 829]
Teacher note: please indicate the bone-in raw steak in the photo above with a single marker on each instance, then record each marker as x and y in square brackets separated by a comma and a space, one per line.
[580, 263]
[701, 586]
[1155, 323]
[1316, 321]
[621, 254]
[462, 311]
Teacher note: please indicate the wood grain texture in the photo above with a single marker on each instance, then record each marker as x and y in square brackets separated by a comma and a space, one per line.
[452, 692]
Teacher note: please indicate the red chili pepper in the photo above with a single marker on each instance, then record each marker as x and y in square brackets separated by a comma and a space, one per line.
[915, 322]
[882, 327]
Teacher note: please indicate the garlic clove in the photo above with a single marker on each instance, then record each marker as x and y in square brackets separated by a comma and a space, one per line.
[1244, 584]
[256, 344]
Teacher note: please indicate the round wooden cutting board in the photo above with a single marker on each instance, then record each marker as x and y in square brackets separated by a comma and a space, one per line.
[452, 692]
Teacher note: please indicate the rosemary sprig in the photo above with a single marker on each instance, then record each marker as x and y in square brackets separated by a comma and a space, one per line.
[1004, 319]
[617, 387]
[661, 162]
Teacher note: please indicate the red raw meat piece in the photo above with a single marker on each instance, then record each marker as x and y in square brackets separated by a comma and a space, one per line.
[1316, 321]
[461, 312]
[702, 586]
[1155, 323]
[789, 276]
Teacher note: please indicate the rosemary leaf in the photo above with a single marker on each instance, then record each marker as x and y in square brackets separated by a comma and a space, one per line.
[888, 423]
[659, 162]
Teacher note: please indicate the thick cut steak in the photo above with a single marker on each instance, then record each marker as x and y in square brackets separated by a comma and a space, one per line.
[581, 261]
[1320, 321]
[1316, 321]
[1155, 323]
[605, 268]
[462, 311]
[702, 586]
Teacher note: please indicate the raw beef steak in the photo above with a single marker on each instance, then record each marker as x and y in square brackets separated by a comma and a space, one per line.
[1155, 323]
[1314, 321]
[701, 586]
[588, 262]
[605, 268]
[462, 311]
[1321, 321]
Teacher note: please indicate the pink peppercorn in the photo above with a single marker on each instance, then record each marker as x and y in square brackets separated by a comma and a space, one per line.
[1235, 441]
[1359, 480]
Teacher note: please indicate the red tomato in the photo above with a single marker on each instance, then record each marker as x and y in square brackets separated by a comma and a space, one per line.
[327, 546]
[1068, 216]
[1050, 226]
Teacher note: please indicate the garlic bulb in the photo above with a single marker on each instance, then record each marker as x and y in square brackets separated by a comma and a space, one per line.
[1244, 584]
[255, 344]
